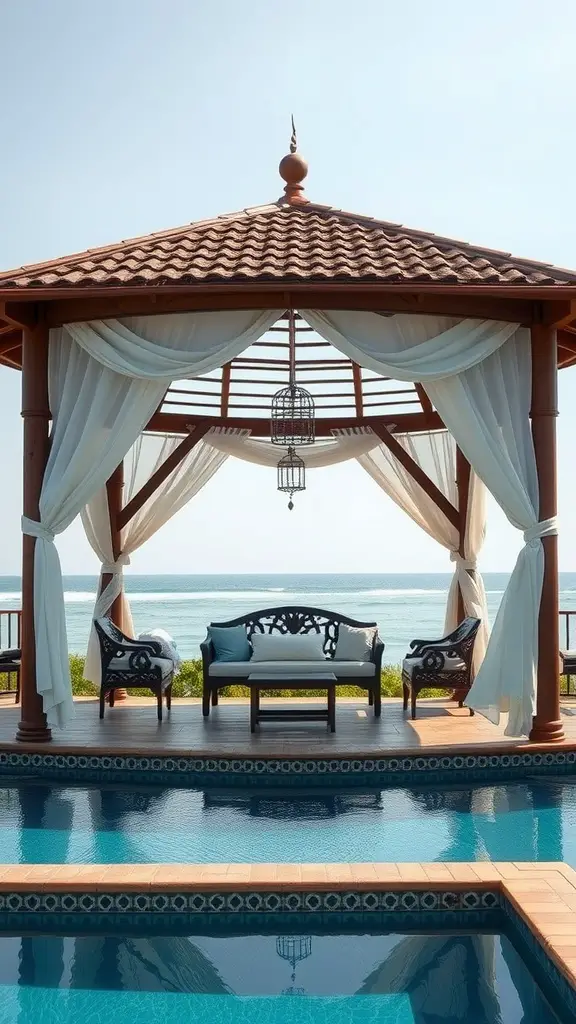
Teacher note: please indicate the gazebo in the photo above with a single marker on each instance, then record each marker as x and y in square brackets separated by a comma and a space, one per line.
[399, 335]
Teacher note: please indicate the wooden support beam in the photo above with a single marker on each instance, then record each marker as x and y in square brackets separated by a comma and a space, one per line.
[417, 473]
[225, 394]
[559, 314]
[101, 303]
[10, 343]
[547, 725]
[162, 473]
[22, 314]
[32, 727]
[357, 380]
[259, 426]
[424, 400]
[13, 359]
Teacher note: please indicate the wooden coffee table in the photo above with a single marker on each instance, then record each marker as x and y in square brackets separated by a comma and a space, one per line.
[260, 681]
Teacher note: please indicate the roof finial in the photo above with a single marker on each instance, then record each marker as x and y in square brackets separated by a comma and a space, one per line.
[293, 168]
[293, 144]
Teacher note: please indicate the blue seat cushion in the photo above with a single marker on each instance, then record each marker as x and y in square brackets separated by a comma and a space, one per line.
[230, 643]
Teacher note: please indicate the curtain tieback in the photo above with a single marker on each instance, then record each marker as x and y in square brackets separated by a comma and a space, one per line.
[115, 568]
[463, 563]
[34, 529]
[547, 528]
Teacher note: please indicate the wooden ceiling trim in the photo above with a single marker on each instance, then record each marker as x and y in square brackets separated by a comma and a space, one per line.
[377, 298]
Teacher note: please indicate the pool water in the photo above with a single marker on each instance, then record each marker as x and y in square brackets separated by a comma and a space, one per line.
[268, 979]
[45, 823]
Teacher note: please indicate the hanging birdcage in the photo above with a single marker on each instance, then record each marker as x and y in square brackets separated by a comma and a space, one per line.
[294, 948]
[292, 411]
[292, 415]
[291, 475]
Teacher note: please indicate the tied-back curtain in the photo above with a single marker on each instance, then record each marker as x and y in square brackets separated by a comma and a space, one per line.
[345, 446]
[478, 376]
[496, 439]
[435, 453]
[106, 378]
[146, 456]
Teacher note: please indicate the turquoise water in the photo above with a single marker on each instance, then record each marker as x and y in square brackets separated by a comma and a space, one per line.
[532, 820]
[267, 979]
[402, 603]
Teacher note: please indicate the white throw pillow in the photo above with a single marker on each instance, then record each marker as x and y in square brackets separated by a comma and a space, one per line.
[287, 647]
[354, 643]
[167, 644]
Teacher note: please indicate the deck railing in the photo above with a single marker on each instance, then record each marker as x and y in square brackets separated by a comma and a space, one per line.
[10, 633]
[567, 643]
[10, 626]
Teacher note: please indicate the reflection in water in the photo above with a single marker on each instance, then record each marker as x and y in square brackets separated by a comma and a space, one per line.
[165, 963]
[533, 820]
[448, 978]
[294, 806]
[294, 949]
[453, 979]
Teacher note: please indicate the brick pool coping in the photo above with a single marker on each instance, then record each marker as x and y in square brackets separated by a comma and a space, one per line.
[543, 895]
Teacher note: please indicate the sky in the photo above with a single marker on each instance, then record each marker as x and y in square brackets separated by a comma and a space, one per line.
[130, 116]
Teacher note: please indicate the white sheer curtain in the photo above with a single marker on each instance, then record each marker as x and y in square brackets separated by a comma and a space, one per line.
[478, 375]
[322, 453]
[435, 453]
[146, 456]
[496, 438]
[105, 381]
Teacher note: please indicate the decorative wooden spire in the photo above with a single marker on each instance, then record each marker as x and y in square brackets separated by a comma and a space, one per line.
[293, 168]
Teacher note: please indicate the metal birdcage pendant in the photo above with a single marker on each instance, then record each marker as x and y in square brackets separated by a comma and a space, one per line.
[292, 411]
[291, 475]
[292, 416]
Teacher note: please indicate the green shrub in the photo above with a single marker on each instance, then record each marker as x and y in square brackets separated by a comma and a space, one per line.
[188, 683]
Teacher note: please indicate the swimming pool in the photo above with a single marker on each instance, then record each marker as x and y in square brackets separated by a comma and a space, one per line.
[282, 978]
[47, 823]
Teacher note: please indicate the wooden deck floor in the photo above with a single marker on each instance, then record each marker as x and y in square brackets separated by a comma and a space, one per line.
[132, 726]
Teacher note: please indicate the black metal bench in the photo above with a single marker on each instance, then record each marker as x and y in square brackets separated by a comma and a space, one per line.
[293, 619]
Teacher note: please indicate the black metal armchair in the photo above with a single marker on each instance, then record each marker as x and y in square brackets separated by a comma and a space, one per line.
[132, 664]
[444, 664]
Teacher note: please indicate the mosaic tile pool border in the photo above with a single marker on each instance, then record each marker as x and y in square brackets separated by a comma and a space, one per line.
[178, 770]
[246, 901]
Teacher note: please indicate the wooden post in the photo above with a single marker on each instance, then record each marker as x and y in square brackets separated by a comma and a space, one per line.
[32, 727]
[547, 725]
[463, 487]
[114, 490]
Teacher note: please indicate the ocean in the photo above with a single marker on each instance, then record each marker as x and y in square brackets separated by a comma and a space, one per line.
[405, 605]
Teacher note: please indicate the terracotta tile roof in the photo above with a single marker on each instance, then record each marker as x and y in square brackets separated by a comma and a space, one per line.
[290, 243]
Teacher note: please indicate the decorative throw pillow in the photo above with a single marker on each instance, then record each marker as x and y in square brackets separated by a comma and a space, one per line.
[288, 647]
[167, 644]
[354, 643]
[230, 643]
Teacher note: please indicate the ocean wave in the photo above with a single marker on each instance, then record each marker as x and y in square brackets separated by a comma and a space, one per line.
[292, 596]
